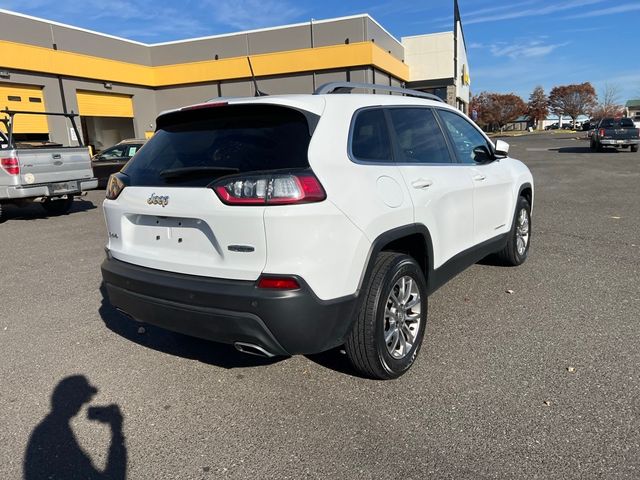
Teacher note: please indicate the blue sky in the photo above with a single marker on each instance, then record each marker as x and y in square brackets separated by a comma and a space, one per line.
[512, 45]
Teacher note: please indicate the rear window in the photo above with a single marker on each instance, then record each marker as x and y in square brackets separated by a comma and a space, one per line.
[617, 123]
[195, 147]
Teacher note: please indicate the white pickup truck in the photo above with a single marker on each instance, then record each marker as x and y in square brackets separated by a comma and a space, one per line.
[50, 175]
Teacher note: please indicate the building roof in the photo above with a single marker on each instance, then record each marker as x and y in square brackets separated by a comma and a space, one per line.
[208, 37]
[633, 103]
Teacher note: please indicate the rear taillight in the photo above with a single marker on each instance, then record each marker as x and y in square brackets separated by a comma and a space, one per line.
[602, 132]
[114, 187]
[278, 283]
[270, 189]
[10, 165]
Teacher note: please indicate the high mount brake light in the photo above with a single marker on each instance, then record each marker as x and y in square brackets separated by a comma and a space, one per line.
[204, 105]
[270, 189]
[10, 165]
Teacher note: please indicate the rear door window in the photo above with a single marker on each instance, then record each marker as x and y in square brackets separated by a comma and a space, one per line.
[370, 138]
[195, 147]
[419, 137]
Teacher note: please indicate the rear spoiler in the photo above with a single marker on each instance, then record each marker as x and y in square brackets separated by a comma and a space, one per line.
[8, 122]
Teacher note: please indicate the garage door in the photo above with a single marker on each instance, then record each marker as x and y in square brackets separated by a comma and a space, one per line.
[96, 104]
[27, 98]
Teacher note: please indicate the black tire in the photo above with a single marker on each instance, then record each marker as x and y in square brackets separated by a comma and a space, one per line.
[1, 217]
[598, 146]
[365, 345]
[509, 255]
[58, 206]
[634, 148]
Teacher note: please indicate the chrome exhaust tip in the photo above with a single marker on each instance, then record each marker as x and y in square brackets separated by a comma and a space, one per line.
[252, 349]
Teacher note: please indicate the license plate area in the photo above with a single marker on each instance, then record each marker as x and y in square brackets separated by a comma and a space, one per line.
[188, 235]
[63, 187]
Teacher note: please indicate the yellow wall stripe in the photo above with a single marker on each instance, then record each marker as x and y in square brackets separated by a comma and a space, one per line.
[38, 59]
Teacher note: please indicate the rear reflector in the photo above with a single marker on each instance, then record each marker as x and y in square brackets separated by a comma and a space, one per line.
[270, 189]
[10, 165]
[279, 283]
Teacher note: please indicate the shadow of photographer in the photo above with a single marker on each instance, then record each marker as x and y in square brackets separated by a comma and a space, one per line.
[53, 451]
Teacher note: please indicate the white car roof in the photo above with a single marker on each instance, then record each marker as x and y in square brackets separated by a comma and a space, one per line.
[317, 103]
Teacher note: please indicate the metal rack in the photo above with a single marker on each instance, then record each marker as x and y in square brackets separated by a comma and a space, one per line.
[346, 87]
[8, 121]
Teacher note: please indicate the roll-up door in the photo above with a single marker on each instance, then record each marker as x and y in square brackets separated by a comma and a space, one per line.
[96, 104]
[27, 98]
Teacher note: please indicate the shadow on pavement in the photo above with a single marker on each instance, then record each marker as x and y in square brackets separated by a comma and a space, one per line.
[53, 451]
[335, 360]
[582, 150]
[34, 211]
[172, 343]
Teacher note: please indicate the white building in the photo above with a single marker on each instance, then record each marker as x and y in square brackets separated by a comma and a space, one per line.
[438, 64]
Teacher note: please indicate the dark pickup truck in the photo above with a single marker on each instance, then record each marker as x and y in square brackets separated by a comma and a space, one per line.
[617, 133]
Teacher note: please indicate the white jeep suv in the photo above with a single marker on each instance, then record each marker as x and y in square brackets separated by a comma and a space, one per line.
[293, 224]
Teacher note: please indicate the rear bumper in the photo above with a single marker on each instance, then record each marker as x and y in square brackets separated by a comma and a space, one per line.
[626, 141]
[228, 311]
[45, 190]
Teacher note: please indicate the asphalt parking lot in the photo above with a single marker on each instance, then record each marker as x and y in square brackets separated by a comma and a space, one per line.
[543, 382]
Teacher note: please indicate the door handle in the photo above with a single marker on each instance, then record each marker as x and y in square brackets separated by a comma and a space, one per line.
[421, 183]
[479, 177]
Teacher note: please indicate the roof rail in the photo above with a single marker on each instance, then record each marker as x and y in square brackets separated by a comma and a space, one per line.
[346, 87]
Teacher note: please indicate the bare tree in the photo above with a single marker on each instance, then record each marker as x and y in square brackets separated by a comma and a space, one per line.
[610, 105]
[538, 106]
[573, 100]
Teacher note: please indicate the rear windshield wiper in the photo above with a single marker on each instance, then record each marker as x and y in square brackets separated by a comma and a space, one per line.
[197, 171]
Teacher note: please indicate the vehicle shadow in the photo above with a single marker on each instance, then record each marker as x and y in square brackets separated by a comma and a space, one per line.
[337, 361]
[35, 211]
[53, 452]
[582, 150]
[492, 260]
[173, 343]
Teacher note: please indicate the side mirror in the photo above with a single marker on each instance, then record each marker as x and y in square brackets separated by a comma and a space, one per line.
[481, 154]
[502, 149]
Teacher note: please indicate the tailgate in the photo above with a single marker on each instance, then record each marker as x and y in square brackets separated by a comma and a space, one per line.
[622, 133]
[193, 233]
[51, 165]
